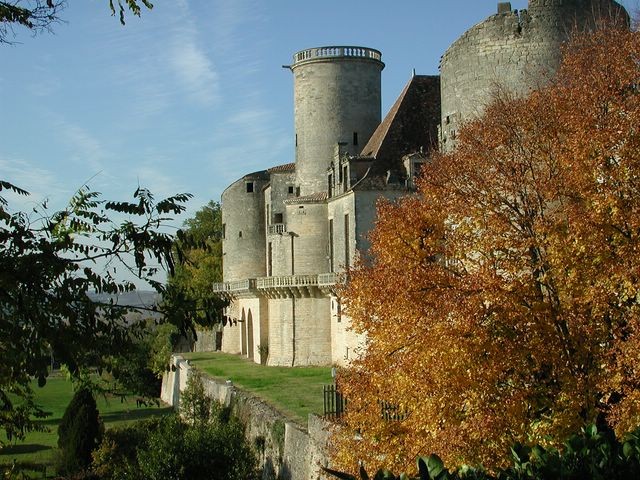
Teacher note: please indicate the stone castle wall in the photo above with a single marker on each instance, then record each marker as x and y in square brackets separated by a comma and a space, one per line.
[335, 97]
[286, 450]
[243, 245]
[514, 51]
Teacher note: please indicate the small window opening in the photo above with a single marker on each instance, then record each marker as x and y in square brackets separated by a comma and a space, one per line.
[355, 138]
[296, 139]
[224, 230]
[278, 218]
[240, 234]
[297, 191]
[290, 190]
[249, 187]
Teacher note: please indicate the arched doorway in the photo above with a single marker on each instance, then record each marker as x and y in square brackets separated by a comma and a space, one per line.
[243, 329]
[250, 334]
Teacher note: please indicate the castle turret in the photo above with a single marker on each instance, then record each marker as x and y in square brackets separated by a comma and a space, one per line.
[336, 99]
[243, 227]
[513, 50]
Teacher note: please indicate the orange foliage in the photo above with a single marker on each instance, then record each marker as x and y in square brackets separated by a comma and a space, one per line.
[501, 303]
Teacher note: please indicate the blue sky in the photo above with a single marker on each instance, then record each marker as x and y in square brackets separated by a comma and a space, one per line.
[192, 95]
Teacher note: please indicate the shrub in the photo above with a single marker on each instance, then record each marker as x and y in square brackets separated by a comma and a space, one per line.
[591, 454]
[79, 433]
[116, 457]
[211, 450]
[195, 405]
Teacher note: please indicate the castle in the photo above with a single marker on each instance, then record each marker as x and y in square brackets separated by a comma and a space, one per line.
[289, 232]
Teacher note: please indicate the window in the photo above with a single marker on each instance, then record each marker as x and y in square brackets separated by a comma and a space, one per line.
[355, 138]
[297, 191]
[330, 189]
[331, 245]
[346, 240]
[277, 218]
[290, 191]
[345, 177]
[270, 261]
[240, 234]
[249, 187]
[224, 230]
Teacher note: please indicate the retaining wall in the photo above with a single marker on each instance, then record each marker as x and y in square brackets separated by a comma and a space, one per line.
[286, 450]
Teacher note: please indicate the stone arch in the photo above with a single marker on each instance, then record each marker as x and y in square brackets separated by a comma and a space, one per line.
[250, 347]
[243, 329]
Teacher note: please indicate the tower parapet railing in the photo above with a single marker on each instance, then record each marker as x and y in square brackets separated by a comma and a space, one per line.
[328, 279]
[280, 286]
[277, 229]
[336, 52]
[237, 288]
[287, 281]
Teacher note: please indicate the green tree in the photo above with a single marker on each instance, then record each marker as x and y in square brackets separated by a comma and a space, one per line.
[217, 449]
[40, 15]
[79, 433]
[195, 405]
[49, 265]
[189, 297]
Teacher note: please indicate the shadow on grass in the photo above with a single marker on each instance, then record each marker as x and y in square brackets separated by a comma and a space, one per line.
[19, 449]
[135, 414]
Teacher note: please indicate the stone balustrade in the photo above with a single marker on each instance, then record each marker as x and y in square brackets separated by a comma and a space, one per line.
[281, 286]
[287, 281]
[277, 229]
[336, 52]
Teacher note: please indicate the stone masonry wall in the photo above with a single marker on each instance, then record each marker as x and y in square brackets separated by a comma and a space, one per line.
[333, 99]
[243, 245]
[512, 51]
[286, 450]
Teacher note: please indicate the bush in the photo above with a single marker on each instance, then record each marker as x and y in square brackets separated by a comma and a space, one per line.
[116, 457]
[591, 454]
[212, 450]
[195, 406]
[79, 433]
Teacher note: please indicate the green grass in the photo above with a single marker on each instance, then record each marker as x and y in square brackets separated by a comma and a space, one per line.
[295, 391]
[39, 447]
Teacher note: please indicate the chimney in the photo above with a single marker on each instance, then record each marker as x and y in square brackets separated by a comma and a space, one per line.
[504, 7]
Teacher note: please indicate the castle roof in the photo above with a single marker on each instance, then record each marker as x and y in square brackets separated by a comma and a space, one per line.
[313, 198]
[410, 125]
[285, 168]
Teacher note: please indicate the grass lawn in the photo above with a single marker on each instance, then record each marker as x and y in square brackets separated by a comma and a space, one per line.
[39, 447]
[295, 391]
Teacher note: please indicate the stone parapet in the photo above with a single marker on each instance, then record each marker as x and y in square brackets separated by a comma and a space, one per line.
[288, 450]
[333, 52]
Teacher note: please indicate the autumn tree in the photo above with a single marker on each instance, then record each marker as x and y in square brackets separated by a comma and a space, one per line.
[501, 303]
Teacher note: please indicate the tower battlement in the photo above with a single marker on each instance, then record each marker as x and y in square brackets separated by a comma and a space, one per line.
[334, 52]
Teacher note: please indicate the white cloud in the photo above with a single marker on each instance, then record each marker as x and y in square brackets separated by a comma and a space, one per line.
[190, 62]
[41, 184]
[88, 151]
[194, 70]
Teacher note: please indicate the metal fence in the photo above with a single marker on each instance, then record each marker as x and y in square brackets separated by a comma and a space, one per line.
[334, 402]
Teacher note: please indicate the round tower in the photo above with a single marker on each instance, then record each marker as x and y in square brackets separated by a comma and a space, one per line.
[243, 225]
[513, 50]
[336, 100]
